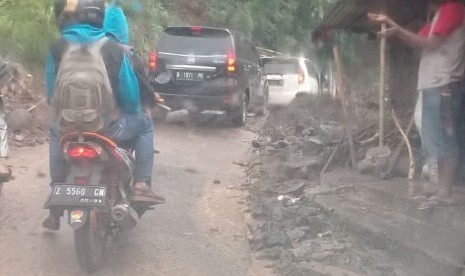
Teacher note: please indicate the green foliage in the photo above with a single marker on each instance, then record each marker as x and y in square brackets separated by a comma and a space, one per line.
[279, 24]
[147, 20]
[26, 28]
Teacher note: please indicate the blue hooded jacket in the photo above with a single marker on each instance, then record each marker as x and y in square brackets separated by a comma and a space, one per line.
[128, 94]
[115, 24]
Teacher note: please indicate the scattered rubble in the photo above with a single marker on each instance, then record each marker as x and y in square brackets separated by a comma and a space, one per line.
[26, 110]
[285, 224]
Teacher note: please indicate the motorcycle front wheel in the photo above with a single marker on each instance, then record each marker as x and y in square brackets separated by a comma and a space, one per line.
[90, 241]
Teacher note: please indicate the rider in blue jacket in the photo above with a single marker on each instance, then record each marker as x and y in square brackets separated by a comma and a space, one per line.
[83, 23]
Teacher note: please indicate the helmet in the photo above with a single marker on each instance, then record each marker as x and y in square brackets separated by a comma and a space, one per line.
[80, 11]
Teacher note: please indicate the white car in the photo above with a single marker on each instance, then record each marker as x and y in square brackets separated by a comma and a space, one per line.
[287, 77]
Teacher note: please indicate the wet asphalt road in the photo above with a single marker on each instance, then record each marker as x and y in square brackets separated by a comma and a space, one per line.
[200, 231]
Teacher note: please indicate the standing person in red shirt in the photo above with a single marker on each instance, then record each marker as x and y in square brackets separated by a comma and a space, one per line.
[442, 66]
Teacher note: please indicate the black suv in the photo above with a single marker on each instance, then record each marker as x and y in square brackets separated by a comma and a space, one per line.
[199, 68]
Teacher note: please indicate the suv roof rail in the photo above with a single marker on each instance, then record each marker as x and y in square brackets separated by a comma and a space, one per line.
[211, 30]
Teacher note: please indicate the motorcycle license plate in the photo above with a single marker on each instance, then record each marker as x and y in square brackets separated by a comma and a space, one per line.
[75, 195]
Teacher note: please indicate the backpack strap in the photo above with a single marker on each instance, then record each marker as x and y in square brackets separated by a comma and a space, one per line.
[97, 46]
[129, 53]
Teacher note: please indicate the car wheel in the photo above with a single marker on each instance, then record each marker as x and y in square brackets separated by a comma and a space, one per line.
[239, 115]
[159, 115]
[263, 111]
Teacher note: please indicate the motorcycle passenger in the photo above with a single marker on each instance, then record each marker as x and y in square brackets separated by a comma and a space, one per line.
[116, 28]
[81, 22]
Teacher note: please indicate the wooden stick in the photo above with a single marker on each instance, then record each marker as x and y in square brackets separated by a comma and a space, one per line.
[333, 153]
[382, 84]
[411, 171]
[343, 98]
[400, 146]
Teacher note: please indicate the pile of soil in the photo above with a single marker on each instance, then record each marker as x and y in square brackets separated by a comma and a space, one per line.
[25, 97]
[285, 224]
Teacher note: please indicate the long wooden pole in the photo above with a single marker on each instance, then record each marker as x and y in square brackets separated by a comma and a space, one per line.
[382, 84]
[343, 97]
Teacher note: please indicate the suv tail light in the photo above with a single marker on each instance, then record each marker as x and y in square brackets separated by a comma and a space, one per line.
[86, 152]
[232, 62]
[196, 29]
[153, 61]
[301, 77]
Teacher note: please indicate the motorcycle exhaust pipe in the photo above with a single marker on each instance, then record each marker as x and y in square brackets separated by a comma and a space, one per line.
[125, 216]
[119, 213]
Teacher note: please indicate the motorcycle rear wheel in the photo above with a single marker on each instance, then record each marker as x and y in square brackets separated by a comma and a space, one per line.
[90, 242]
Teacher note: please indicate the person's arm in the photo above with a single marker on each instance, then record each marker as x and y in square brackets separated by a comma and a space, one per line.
[50, 76]
[410, 38]
[128, 89]
[417, 41]
[450, 17]
[146, 91]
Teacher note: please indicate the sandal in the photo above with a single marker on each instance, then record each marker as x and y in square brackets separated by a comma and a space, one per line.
[143, 193]
[435, 201]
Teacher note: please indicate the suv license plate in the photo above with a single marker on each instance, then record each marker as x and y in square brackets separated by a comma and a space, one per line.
[75, 195]
[190, 76]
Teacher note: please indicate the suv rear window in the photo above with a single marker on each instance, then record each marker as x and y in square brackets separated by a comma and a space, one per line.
[282, 67]
[185, 41]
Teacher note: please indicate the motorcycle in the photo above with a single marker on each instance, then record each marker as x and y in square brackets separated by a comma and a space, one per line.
[95, 194]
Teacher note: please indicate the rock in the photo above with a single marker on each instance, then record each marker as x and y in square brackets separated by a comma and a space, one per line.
[41, 174]
[250, 222]
[379, 156]
[322, 256]
[308, 131]
[216, 182]
[332, 245]
[273, 254]
[270, 148]
[375, 162]
[303, 251]
[40, 140]
[298, 233]
[315, 140]
[19, 119]
[303, 169]
[292, 187]
[313, 146]
[256, 144]
[276, 237]
[281, 144]
[366, 167]
[308, 211]
[277, 213]
[19, 137]
[318, 250]
[333, 132]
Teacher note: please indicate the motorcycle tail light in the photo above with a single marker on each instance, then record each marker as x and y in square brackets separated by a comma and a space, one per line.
[81, 180]
[86, 152]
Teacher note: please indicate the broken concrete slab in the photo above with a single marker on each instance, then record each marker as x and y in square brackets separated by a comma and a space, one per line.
[422, 244]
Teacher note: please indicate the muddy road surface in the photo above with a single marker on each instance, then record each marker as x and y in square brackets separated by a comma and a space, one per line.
[200, 231]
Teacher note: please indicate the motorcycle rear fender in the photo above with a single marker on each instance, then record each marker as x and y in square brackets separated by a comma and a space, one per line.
[77, 217]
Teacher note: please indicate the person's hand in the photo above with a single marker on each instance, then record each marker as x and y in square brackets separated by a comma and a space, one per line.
[379, 18]
[388, 33]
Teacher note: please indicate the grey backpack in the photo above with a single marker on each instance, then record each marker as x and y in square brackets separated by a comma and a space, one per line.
[83, 99]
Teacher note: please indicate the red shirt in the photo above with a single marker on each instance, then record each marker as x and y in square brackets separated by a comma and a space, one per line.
[451, 16]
